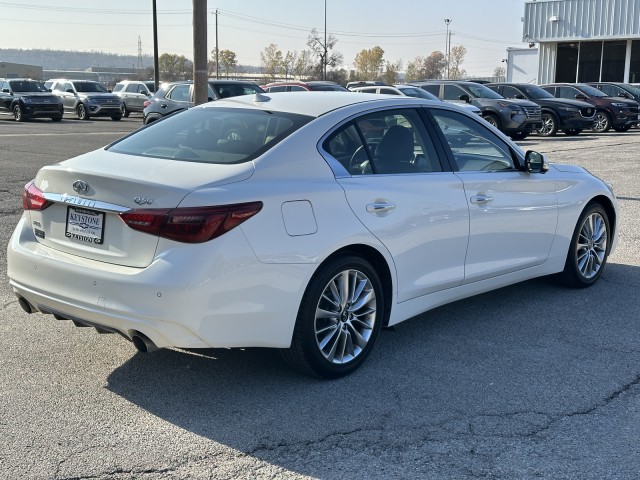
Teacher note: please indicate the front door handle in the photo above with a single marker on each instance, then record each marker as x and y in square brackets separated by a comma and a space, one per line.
[481, 199]
[380, 208]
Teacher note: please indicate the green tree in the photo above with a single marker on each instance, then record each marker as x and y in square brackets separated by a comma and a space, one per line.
[415, 70]
[303, 65]
[391, 73]
[369, 63]
[434, 65]
[228, 62]
[289, 63]
[174, 67]
[271, 60]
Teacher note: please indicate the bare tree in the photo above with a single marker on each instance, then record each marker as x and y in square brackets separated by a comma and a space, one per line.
[324, 52]
[499, 72]
[456, 57]
[271, 60]
[391, 74]
[303, 65]
[289, 63]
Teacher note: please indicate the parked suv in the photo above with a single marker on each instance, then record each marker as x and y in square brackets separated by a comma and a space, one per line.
[313, 86]
[25, 98]
[616, 112]
[86, 98]
[615, 89]
[570, 116]
[516, 118]
[175, 96]
[133, 94]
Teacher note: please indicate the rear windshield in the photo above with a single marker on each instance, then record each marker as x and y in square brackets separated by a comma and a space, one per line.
[211, 135]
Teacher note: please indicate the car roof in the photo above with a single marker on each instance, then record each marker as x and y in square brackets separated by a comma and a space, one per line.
[315, 104]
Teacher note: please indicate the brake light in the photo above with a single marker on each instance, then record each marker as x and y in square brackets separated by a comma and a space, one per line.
[190, 225]
[33, 197]
[146, 103]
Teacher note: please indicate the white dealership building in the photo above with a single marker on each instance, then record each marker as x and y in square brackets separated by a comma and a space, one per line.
[579, 41]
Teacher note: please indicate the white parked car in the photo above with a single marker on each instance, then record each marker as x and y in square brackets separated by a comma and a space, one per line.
[323, 218]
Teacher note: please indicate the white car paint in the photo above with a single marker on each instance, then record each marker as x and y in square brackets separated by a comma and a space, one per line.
[244, 288]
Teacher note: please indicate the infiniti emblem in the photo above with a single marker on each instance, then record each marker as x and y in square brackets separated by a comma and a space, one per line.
[80, 186]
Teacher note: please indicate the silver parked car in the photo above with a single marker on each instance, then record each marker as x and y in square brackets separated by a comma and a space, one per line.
[86, 98]
[133, 94]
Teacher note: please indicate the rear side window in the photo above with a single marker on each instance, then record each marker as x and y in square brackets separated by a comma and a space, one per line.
[212, 135]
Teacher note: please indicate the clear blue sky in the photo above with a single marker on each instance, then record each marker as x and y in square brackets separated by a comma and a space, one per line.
[404, 29]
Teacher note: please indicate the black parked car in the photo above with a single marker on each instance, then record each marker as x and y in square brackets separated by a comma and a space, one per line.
[570, 116]
[25, 98]
[616, 112]
[615, 89]
[174, 96]
[516, 118]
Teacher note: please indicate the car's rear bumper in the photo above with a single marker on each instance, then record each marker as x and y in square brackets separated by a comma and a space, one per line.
[189, 297]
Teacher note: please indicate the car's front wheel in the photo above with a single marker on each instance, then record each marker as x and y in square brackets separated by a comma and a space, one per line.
[18, 114]
[572, 132]
[589, 248]
[339, 319]
[549, 125]
[622, 128]
[125, 111]
[493, 120]
[602, 122]
[82, 112]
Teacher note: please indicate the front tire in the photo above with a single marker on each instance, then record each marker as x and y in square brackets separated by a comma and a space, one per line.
[82, 112]
[125, 111]
[623, 128]
[549, 125]
[339, 319]
[571, 132]
[589, 248]
[493, 120]
[18, 114]
[602, 122]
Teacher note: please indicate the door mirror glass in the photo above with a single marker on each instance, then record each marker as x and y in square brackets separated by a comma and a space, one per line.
[464, 97]
[534, 162]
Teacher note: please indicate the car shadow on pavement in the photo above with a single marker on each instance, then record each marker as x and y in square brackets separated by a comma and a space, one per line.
[501, 366]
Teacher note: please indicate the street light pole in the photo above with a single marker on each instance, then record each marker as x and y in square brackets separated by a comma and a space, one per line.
[447, 46]
[324, 58]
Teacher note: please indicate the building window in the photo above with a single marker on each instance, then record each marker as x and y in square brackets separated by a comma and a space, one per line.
[613, 54]
[567, 62]
[634, 70]
[590, 59]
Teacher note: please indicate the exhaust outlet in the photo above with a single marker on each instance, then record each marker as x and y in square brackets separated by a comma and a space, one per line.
[26, 306]
[143, 343]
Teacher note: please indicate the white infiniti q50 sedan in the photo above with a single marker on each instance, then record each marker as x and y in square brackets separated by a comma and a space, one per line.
[300, 222]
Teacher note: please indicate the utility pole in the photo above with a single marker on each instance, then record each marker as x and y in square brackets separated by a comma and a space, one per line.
[447, 46]
[217, 50]
[324, 57]
[200, 70]
[156, 67]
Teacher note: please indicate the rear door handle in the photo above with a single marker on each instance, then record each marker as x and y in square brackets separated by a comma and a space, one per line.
[481, 199]
[380, 208]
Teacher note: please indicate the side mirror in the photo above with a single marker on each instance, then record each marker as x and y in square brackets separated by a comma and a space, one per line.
[109, 91]
[69, 90]
[464, 97]
[49, 90]
[519, 96]
[534, 162]
[5, 90]
[580, 96]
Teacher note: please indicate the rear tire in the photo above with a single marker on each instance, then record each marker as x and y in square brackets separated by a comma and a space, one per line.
[339, 319]
[589, 248]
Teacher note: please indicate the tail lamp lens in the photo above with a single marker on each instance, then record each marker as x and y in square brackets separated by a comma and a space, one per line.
[33, 197]
[192, 224]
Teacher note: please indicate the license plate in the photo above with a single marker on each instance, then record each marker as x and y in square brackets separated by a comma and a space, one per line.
[85, 225]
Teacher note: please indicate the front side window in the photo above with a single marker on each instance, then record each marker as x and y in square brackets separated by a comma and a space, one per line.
[453, 92]
[180, 93]
[131, 88]
[212, 135]
[474, 147]
[567, 92]
[511, 92]
[118, 87]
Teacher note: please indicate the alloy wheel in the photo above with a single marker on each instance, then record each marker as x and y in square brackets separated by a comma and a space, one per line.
[591, 247]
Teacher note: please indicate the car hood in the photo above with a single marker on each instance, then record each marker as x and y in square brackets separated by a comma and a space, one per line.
[563, 102]
[38, 96]
[100, 95]
[566, 168]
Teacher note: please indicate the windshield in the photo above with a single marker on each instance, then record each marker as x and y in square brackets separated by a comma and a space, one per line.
[591, 91]
[89, 87]
[211, 135]
[28, 86]
[533, 91]
[632, 90]
[480, 91]
[417, 92]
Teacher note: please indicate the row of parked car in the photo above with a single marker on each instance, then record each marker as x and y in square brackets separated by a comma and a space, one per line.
[517, 109]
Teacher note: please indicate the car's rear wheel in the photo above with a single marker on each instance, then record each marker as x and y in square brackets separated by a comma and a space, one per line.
[339, 319]
[549, 125]
[571, 132]
[589, 248]
[602, 122]
[18, 114]
[82, 113]
[519, 135]
[493, 120]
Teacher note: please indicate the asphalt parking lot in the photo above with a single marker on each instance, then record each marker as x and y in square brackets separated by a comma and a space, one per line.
[530, 381]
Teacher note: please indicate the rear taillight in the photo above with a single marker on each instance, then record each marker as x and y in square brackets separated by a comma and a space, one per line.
[33, 198]
[146, 103]
[191, 225]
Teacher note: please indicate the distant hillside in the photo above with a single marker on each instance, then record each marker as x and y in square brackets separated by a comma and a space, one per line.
[71, 60]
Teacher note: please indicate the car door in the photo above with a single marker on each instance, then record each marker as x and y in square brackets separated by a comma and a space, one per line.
[400, 191]
[69, 98]
[512, 214]
[134, 97]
